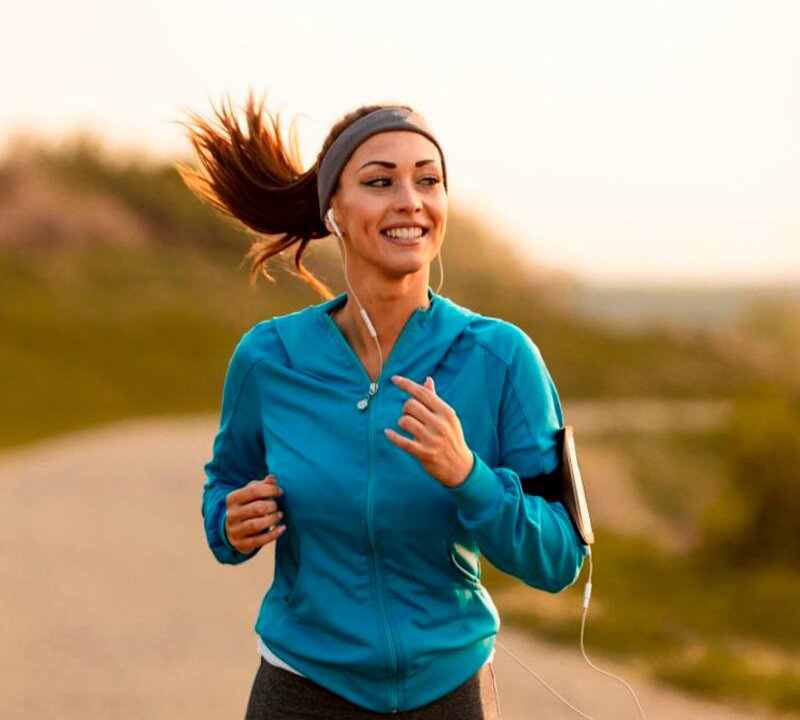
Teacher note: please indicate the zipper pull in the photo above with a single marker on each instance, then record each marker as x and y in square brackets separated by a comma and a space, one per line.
[364, 402]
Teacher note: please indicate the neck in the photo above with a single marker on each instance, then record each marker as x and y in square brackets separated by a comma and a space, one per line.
[389, 309]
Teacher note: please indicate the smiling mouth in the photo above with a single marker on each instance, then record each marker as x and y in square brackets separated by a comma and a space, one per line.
[407, 237]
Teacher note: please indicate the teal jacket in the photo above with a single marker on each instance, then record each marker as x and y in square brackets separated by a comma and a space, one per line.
[377, 593]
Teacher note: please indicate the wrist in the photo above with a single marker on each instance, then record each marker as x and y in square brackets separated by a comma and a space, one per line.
[465, 469]
[480, 495]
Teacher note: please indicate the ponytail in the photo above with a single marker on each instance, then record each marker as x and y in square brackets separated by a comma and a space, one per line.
[256, 179]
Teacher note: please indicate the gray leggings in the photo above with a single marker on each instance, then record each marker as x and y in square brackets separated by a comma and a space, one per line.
[278, 694]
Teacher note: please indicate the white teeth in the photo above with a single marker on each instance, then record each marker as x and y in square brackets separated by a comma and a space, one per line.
[404, 232]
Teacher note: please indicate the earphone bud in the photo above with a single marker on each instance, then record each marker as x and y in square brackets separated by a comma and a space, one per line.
[332, 220]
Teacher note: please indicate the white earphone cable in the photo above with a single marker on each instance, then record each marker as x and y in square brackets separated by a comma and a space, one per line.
[587, 592]
[542, 681]
[370, 327]
[362, 312]
[441, 271]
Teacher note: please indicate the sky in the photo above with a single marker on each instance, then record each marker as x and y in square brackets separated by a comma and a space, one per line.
[623, 141]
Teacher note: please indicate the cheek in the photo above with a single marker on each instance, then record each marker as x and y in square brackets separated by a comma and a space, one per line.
[441, 222]
[439, 211]
[362, 212]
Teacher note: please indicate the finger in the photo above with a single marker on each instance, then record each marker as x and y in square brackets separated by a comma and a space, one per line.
[427, 397]
[416, 409]
[244, 529]
[411, 446]
[258, 541]
[256, 508]
[429, 384]
[256, 490]
[413, 427]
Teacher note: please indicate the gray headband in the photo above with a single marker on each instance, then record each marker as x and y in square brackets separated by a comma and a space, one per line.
[378, 121]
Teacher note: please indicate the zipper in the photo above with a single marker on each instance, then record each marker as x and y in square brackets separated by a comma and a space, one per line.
[376, 565]
[363, 404]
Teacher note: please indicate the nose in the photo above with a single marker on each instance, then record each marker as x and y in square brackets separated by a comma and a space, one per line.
[407, 198]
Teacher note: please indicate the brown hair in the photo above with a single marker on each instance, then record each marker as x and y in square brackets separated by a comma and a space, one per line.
[257, 179]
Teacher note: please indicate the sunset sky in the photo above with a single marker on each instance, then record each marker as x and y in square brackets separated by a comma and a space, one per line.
[626, 140]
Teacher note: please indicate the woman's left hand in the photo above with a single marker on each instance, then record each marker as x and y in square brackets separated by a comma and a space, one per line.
[438, 440]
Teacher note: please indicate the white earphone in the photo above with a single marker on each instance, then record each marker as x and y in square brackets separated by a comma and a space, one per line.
[332, 220]
[370, 327]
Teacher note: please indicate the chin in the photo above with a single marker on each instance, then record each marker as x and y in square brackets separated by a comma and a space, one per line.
[402, 269]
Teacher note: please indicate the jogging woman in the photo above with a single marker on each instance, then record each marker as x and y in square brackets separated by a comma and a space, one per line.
[378, 438]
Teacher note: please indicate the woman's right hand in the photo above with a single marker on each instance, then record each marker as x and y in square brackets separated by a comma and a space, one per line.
[251, 510]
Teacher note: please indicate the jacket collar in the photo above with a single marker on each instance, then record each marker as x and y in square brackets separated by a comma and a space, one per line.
[316, 346]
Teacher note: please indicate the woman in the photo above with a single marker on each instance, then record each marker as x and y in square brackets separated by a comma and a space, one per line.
[379, 438]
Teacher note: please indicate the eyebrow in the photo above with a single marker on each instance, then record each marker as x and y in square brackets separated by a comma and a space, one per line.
[391, 165]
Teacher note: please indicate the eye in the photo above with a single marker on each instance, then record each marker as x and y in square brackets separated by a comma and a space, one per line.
[372, 182]
[434, 178]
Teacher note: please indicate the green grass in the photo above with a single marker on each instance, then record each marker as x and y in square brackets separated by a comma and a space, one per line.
[94, 336]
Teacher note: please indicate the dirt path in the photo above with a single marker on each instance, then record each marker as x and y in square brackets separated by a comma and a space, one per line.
[113, 607]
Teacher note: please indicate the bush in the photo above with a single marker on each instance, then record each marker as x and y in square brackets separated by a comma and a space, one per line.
[756, 518]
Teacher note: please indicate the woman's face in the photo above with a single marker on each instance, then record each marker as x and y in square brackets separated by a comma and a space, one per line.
[393, 180]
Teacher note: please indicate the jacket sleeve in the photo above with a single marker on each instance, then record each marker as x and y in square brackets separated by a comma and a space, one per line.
[522, 535]
[238, 452]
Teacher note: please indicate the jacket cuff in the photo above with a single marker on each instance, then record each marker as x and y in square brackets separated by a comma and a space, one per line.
[221, 530]
[480, 493]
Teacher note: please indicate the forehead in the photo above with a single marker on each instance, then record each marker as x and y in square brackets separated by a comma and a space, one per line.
[398, 146]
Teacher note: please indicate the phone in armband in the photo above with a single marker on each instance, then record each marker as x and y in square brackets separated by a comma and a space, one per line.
[572, 490]
[565, 484]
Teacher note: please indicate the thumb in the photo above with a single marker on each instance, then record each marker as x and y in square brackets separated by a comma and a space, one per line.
[270, 479]
[430, 384]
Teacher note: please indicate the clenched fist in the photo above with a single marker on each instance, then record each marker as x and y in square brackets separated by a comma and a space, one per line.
[251, 510]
